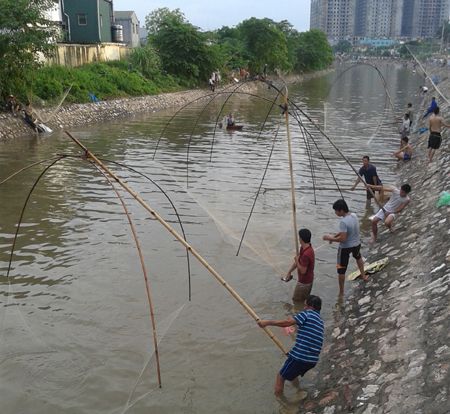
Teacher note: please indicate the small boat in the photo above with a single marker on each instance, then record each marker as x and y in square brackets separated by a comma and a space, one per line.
[234, 127]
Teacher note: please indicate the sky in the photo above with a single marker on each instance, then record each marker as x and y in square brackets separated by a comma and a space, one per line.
[210, 14]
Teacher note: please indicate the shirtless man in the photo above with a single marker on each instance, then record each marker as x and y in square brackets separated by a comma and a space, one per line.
[436, 123]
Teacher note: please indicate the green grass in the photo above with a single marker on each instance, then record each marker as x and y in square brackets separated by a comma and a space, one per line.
[105, 80]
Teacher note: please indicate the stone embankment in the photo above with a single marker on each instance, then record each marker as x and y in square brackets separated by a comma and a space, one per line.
[389, 349]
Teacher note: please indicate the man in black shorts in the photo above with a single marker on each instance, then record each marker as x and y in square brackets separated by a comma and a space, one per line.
[349, 242]
[436, 123]
[369, 172]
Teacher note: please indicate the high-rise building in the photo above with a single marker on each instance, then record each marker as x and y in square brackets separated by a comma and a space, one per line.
[334, 17]
[378, 19]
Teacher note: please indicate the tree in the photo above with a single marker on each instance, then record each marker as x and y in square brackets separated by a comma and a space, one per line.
[159, 17]
[25, 34]
[314, 51]
[146, 60]
[265, 44]
[343, 46]
[183, 49]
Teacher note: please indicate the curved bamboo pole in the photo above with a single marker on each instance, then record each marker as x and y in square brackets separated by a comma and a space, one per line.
[144, 269]
[27, 168]
[44, 171]
[174, 233]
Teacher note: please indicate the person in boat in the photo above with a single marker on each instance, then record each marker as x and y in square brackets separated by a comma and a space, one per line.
[405, 152]
[370, 174]
[349, 242]
[436, 123]
[397, 202]
[304, 355]
[304, 263]
[230, 120]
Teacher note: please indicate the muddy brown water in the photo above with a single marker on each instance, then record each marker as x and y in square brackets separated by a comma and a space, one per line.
[74, 326]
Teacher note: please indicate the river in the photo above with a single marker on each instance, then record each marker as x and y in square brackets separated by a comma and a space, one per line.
[74, 323]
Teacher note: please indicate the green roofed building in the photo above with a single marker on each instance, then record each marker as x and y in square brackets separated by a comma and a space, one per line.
[87, 21]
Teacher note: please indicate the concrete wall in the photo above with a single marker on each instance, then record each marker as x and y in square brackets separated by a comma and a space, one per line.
[76, 54]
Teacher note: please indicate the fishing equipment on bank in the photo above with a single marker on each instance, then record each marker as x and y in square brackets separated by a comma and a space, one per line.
[444, 199]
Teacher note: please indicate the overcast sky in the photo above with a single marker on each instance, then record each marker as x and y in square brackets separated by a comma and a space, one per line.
[213, 14]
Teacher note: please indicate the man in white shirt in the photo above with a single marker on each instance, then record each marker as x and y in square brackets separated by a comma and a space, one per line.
[398, 201]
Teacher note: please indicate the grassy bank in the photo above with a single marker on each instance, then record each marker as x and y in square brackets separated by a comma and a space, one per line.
[105, 80]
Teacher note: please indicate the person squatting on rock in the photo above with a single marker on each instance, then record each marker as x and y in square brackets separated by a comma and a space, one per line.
[405, 152]
[398, 201]
[435, 123]
[304, 263]
[304, 355]
[349, 242]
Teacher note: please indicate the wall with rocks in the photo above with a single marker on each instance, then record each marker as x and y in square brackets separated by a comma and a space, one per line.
[84, 114]
[389, 350]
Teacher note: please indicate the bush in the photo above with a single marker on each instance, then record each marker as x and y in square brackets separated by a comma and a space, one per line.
[105, 80]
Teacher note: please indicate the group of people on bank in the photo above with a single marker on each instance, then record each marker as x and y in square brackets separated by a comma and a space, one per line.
[310, 327]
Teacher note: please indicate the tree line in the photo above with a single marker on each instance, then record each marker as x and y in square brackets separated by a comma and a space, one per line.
[177, 53]
[254, 44]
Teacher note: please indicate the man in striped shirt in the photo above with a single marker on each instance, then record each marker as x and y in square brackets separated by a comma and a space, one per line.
[305, 353]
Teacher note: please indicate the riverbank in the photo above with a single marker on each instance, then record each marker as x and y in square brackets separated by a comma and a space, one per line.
[73, 115]
[388, 351]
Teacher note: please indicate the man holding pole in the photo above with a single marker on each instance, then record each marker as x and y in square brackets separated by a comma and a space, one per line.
[304, 263]
[369, 172]
[308, 343]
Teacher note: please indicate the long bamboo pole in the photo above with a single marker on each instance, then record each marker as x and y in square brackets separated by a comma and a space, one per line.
[291, 170]
[144, 271]
[174, 233]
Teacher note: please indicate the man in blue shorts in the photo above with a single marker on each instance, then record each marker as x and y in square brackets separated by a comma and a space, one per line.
[305, 353]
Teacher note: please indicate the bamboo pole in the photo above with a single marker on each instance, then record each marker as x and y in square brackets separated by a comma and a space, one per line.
[291, 171]
[174, 233]
[144, 271]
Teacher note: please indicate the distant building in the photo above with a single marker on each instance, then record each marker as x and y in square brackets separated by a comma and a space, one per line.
[143, 35]
[130, 23]
[87, 21]
[383, 19]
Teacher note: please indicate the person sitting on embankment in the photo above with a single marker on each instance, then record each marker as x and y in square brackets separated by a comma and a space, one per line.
[398, 201]
[405, 152]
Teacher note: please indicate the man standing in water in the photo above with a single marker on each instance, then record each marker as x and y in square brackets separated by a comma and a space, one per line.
[308, 343]
[436, 123]
[369, 172]
[398, 201]
[349, 242]
[304, 263]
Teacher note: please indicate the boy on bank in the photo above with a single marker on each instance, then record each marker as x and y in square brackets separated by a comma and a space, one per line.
[305, 353]
[349, 242]
[398, 201]
[304, 263]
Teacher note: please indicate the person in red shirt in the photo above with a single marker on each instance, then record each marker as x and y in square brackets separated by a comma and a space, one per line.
[304, 263]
